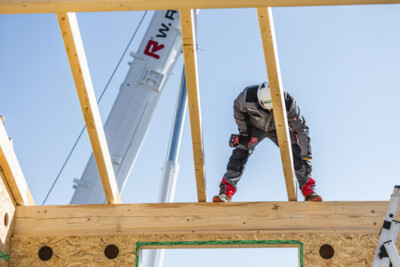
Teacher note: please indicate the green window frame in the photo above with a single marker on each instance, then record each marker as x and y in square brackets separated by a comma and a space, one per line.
[226, 243]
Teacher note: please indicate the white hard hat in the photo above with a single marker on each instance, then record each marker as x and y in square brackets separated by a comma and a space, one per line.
[264, 96]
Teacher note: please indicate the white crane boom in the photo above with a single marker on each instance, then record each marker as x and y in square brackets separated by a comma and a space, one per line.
[131, 114]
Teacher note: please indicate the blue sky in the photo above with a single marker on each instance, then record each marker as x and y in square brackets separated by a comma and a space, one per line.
[340, 63]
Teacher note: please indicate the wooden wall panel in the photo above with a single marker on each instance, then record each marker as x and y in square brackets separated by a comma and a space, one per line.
[350, 249]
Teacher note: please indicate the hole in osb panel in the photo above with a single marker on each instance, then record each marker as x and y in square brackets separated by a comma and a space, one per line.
[326, 251]
[45, 253]
[111, 252]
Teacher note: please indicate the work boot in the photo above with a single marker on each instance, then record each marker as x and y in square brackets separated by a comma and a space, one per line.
[313, 197]
[221, 198]
[309, 192]
[227, 190]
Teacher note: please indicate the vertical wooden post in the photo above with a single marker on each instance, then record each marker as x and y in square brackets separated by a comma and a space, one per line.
[190, 58]
[84, 87]
[275, 83]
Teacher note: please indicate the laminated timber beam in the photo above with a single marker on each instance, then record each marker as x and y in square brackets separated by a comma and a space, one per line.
[56, 6]
[269, 217]
[84, 87]
[12, 174]
[190, 58]
[275, 83]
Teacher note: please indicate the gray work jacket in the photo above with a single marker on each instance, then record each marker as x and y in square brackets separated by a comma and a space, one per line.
[247, 110]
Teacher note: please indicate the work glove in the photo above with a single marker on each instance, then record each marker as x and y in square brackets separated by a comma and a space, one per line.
[307, 166]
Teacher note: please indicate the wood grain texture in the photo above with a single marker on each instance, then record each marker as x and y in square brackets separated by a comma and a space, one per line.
[192, 84]
[84, 87]
[56, 6]
[351, 249]
[12, 173]
[200, 217]
[275, 83]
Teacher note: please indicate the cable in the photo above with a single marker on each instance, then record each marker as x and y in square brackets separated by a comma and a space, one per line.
[101, 96]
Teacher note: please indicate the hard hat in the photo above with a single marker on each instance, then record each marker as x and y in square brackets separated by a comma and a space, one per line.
[264, 96]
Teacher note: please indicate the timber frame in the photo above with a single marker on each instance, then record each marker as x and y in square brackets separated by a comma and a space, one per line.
[330, 233]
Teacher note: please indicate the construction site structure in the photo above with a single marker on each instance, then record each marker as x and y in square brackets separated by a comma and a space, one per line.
[114, 234]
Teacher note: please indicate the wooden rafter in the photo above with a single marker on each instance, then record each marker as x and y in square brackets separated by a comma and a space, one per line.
[56, 6]
[278, 217]
[275, 83]
[190, 58]
[84, 87]
[14, 178]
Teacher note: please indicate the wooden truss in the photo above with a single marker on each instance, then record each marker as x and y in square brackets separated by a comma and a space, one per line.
[350, 229]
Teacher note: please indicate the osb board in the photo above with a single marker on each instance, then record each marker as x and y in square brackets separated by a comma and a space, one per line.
[6, 207]
[72, 251]
[350, 249]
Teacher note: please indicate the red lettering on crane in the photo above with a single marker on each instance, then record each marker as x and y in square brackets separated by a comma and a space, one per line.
[151, 49]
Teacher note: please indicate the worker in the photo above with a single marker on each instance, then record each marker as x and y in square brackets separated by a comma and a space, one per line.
[253, 112]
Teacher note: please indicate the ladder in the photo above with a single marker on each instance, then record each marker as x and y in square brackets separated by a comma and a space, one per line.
[386, 254]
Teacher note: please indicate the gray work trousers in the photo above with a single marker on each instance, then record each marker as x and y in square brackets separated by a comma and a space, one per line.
[237, 162]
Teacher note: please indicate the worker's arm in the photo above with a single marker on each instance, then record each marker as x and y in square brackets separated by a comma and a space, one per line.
[298, 124]
[239, 113]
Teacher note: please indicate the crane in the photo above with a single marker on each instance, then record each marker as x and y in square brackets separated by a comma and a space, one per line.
[132, 111]
[131, 114]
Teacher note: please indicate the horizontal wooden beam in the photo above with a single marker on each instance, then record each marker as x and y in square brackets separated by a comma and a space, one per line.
[14, 178]
[55, 6]
[268, 38]
[275, 217]
[192, 84]
[84, 87]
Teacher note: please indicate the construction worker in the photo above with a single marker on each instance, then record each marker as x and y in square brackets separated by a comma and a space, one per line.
[254, 117]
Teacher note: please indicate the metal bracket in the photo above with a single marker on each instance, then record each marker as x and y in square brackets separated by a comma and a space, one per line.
[153, 79]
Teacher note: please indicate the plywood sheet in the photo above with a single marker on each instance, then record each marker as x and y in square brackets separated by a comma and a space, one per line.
[350, 249]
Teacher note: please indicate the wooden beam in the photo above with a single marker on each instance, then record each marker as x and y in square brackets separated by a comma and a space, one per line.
[14, 178]
[57, 6]
[190, 58]
[274, 217]
[84, 87]
[275, 83]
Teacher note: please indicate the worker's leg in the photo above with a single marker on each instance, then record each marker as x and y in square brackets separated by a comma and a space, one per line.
[236, 165]
[306, 183]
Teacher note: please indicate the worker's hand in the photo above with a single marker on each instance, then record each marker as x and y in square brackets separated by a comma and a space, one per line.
[307, 166]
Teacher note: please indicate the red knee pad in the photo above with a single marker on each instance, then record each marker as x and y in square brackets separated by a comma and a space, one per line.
[308, 188]
[229, 189]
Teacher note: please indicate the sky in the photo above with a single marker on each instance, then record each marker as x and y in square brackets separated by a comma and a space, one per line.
[341, 64]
